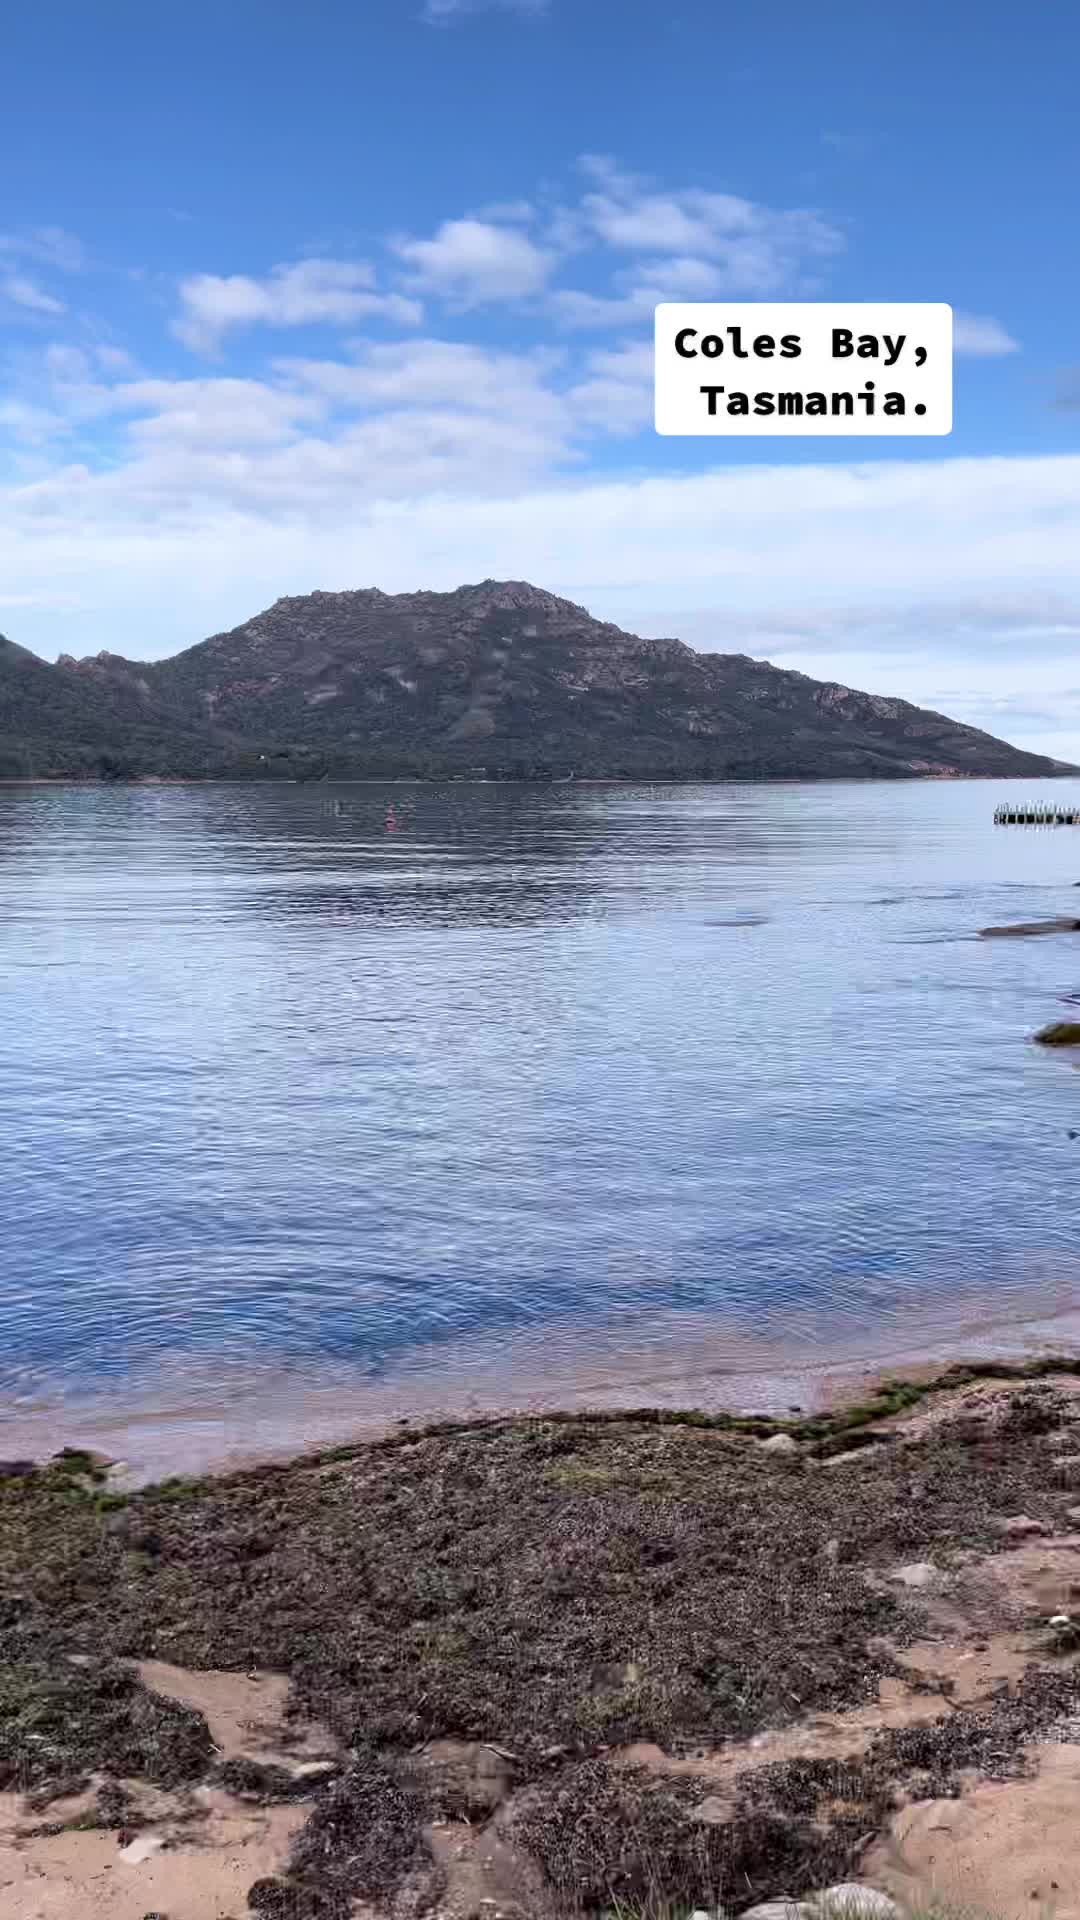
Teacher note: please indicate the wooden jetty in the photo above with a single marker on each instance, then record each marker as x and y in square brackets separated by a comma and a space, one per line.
[1018, 813]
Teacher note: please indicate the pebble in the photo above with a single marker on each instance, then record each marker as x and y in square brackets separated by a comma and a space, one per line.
[919, 1573]
[143, 1847]
[854, 1453]
[715, 1811]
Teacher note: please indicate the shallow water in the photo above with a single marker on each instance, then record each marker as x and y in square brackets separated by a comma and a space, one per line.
[541, 1071]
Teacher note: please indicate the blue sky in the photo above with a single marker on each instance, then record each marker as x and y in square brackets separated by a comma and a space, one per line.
[348, 294]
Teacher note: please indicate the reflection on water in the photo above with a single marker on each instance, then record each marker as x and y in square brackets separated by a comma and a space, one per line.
[280, 1088]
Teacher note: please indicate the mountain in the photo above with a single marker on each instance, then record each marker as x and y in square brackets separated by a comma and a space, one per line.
[501, 677]
[60, 724]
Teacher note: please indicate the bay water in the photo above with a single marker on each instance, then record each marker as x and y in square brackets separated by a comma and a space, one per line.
[319, 1083]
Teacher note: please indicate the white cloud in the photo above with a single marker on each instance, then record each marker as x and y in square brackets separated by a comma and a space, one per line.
[114, 359]
[626, 212]
[233, 415]
[687, 244]
[54, 247]
[66, 363]
[20, 291]
[632, 361]
[333, 292]
[512, 210]
[47, 247]
[29, 425]
[471, 262]
[982, 337]
[439, 13]
[616, 396]
[422, 373]
[40, 246]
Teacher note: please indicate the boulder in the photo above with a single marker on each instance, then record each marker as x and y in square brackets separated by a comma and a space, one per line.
[1025, 929]
[1060, 1033]
[779, 1443]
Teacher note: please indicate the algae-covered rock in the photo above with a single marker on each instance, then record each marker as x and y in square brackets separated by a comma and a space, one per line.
[1060, 1033]
[1027, 929]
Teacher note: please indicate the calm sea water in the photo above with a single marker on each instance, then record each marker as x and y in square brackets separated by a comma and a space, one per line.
[280, 1086]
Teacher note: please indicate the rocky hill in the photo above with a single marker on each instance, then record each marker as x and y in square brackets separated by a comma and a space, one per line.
[502, 678]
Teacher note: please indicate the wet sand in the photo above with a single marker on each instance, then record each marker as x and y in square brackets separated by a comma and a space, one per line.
[191, 1419]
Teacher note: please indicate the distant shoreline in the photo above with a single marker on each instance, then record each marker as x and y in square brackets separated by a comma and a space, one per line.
[579, 780]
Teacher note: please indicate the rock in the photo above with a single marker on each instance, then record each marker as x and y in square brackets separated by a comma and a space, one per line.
[782, 1909]
[1020, 1526]
[713, 1812]
[468, 1779]
[918, 1574]
[1026, 928]
[1073, 1513]
[854, 1453]
[1060, 1033]
[779, 1443]
[849, 1901]
[1066, 1469]
[143, 1847]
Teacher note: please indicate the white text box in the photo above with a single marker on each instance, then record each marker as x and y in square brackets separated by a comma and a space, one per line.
[805, 367]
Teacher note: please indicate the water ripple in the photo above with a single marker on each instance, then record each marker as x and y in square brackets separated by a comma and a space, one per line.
[277, 1089]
